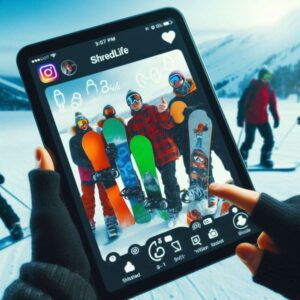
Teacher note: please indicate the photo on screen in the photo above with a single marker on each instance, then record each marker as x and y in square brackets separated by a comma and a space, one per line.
[154, 172]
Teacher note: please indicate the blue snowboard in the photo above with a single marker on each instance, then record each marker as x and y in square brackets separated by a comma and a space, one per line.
[114, 132]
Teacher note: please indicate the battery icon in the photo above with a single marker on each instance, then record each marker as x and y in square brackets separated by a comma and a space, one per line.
[167, 23]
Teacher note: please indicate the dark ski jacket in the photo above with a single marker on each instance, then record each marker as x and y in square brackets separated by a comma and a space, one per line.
[252, 107]
[79, 157]
[156, 127]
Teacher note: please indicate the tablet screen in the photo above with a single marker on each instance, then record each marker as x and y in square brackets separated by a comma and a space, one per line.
[143, 144]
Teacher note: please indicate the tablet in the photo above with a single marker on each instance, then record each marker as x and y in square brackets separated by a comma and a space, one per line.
[130, 115]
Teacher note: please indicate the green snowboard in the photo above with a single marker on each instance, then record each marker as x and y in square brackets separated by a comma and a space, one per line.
[142, 151]
[114, 132]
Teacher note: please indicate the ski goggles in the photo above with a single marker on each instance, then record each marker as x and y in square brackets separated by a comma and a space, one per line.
[267, 76]
[174, 79]
[82, 122]
[109, 112]
[134, 98]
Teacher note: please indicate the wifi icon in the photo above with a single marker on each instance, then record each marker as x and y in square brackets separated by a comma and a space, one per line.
[53, 55]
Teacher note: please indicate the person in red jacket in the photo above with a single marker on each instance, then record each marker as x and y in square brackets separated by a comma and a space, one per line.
[252, 109]
[155, 123]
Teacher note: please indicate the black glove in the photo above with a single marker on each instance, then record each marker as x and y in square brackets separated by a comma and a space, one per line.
[298, 120]
[281, 221]
[240, 122]
[276, 123]
[2, 179]
[59, 268]
[111, 151]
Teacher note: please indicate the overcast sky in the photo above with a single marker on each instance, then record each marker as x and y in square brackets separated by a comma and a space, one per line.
[25, 22]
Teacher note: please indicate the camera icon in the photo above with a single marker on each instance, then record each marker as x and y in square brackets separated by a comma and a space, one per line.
[213, 233]
[48, 73]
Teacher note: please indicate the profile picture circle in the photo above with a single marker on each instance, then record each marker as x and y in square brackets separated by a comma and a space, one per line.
[68, 67]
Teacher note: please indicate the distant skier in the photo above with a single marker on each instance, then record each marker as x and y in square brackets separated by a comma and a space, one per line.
[252, 109]
[87, 183]
[9, 217]
[155, 122]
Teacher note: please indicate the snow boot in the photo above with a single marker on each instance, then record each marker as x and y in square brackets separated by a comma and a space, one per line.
[174, 205]
[265, 159]
[16, 231]
[194, 192]
[174, 200]
[112, 226]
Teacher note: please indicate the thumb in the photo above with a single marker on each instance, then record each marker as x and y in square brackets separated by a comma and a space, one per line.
[250, 255]
[163, 100]
[44, 160]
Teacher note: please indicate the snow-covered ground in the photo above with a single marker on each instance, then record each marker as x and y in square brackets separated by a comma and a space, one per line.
[228, 279]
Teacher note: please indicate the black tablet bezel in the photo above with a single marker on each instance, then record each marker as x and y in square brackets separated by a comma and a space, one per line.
[70, 192]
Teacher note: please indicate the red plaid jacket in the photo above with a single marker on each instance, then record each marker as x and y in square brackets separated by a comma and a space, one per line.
[155, 126]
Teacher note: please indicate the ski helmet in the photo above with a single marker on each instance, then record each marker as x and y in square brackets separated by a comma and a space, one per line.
[176, 78]
[80, 119]
[265, 73]
[132, 97]
[109, 111]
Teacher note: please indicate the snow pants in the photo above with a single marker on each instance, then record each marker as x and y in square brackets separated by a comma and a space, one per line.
[88, 199]
[7, 214]
[172, 189]
[266, 133]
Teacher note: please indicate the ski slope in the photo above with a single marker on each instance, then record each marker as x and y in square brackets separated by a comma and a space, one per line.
[228, 279]
[241, 54]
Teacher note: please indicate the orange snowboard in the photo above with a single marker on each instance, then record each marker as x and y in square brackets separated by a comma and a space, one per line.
[94, 147]
[176, 111]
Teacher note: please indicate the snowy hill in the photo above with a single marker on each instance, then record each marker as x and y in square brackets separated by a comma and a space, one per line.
[237, 57]
[12, 94]
[231, 61]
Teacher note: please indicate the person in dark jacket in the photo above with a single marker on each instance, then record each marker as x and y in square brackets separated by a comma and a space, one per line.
[60, 262]
[186, 92]
[252, 110]
[155, 122]
[9, 217]
[86, 171]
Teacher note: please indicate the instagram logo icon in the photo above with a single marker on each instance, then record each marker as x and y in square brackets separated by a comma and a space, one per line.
[48, 73]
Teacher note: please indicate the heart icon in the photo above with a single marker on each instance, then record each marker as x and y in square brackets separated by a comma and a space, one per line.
[168, 36]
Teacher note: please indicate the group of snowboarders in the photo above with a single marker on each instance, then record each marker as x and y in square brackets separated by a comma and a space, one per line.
[166, 126]
[9, 217]
[169, 140]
